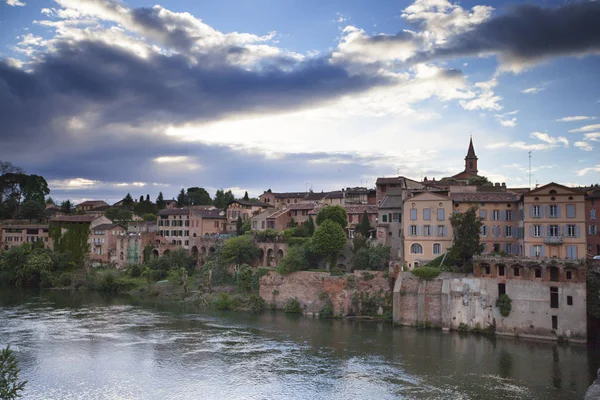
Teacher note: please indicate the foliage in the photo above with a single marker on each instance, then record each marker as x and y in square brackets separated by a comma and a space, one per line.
[504, 304]
[149, 217]
[224, 301]
[465, 243]
[243, 279]
[480, 181]
[328, 240]
[118, 215]
[256, 278]
[327, 310]
[134, 270]
[182, 199]
[73, 240]
[364, 227]
[310, 225]
[246, 198]
[145, 207]
[177, 258]
[238, 225]
[66, 207]
[223, 198]
[294, 260]
[37, 267]
[255, 303]
[426, 273]
[18, 188]
[267, 234]
[335, 213]
[10, 386]
[197, 196]
[375, 258]
[160, 201]
[297, 241]
[246, 227]
[32, 210]
[301, 231]
[358, 242]
[292, 307]
[449, 262]
[239, 250]
[128, 201]
[593, 287]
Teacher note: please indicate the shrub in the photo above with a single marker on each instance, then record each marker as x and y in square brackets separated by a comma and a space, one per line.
[367, 276]
[427, 273]
[109, 281]
[504, 303]
[134, 270]
[327, 310]
[255, 303]
[65, 279]
[244, 279]
[292, 307]
[297, 241]
[9, 376]
[223, 302]
[294, 260]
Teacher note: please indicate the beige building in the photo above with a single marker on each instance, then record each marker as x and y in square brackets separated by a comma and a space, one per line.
[174, 227]
[16, 235]
[244, 210]
[499, 215]
[207, 222]
[554, 222]
[103, 243]
[92, 205]
[428, 233]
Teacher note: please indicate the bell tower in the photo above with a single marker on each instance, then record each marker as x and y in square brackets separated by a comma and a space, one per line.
[471, 159]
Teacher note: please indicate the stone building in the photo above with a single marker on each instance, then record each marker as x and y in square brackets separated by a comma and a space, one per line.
[592, 218]
[17, 234]
[428, 232]
[244, 210]
[92, 205]
[103, 243]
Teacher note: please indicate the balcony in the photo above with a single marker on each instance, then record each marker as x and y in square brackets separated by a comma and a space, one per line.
[553, 240]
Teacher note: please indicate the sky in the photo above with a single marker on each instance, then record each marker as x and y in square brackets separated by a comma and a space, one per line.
[106, 97]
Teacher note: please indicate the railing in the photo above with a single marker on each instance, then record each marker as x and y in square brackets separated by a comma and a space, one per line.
[553, 240]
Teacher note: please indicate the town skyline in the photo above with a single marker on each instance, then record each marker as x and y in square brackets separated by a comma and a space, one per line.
[106, 98]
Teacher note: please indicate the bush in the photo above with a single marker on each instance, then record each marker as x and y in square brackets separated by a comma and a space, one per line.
[109, 281]
[504, 303]
[293, 307]
[297, 241]
[223, 302]
[134, 271]
[255, 303]
[10, 387]
[294, 260]
[65, 279]
[427, 273]
[244, 279]
[327, 310]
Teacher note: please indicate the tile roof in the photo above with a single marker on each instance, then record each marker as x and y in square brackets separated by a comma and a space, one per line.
[174, 211]
[210, 214]
[93, 203]
[75, 218]
[316, 196]
[391, 202]
[290, 195]
[252, 203]
[359, 209]
[480, 197]
[105, 227]
[336, 194]
[384, 181]
[300, 206]
[24, 226]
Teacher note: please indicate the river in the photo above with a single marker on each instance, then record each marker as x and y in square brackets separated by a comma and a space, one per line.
[86, 346]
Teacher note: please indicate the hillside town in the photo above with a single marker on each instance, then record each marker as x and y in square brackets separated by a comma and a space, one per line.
[535, 242]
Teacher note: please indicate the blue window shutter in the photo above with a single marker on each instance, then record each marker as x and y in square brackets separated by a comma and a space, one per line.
[531, 251]
[483, 214]
[542, 230]
[543, 251]
[515, 232]
[577, 231]
[558, 211]
[413, 214]
[565, 231]
[530, 211]
[570, 211]
[426, 214]
[502, 215]
[574, 252]
[531, 231]
[547, 211]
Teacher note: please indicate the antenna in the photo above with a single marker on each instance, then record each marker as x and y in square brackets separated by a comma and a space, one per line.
[530, 170]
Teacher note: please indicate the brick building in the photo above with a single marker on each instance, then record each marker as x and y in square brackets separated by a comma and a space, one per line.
[592, 221]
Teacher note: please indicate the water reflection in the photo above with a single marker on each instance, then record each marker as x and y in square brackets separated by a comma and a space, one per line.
[94, 347]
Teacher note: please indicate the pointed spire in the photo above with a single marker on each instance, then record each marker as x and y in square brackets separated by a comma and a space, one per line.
[471, 151]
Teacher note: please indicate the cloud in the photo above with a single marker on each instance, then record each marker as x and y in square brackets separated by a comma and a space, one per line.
[585, 171]
[575, 118]
[509, 123]
[544, 137]
[586, 128]
[593, 136]
[532, 90]
[585, 146]
[549, 142]
[15, 3]
[485, 98]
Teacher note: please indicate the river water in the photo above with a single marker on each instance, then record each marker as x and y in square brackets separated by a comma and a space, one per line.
[84, 346]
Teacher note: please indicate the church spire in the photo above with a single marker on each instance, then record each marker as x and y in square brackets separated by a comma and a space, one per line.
[471, 152]
[471, 158]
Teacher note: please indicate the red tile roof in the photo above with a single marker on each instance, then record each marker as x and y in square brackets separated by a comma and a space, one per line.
[480, 197]
[75, 218]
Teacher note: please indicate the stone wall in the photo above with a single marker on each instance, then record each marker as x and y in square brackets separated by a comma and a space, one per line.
[460, 301]
[308, 287]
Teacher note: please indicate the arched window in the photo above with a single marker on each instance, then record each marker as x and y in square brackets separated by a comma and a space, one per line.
[416, 248]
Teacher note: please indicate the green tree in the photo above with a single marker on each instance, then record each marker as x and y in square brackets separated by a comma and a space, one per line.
[310, 225]
[50, 200]
[294, 260]
[160, 201]
[37, 267]
[480, 181]
[328, 240]
[148, 198]
[293, 223]
[128, 201]
[145, 208]
[182, 199]
[118, 215]
[32, 209]
[10, 386]
[238, 225]
[35, 189]
[239, 250]
[149, 217]
[374, 258]
[364, 227]
[246, 197]
[246, 227]
[336, 214]
[198, 196]
[465, 243]
[66, 207]
[223, 198]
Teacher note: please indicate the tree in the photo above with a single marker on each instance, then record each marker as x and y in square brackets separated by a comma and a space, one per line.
[148, 198]
[246, 227]
[328, 240]
[364, 227]
[466, 242]
[223, 198]
[238, 225]
[182, 200]
[293, 223]
[294, 260]
[144, 208]
[246, 198]
[336, 214]
[479, 181]
[160, 201]
[66, 207]
[50, 200]
[198, 196]
[118, 215]
[141, 198]
[149, 217]
[128, 201]
[310, 225]
[239, 250]
[32, 209]
[35, 189]
[10, 386]
[374, 258]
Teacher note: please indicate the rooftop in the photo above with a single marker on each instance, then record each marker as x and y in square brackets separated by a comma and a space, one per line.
[482, 197]
[75, 218]
[251, 203]
[391, 202]
[174, 211]
[105, 227]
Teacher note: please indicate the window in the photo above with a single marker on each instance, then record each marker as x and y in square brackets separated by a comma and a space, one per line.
[538, 272]
[592, 214]
[413, 230]
[537, 231]
[351, 233]
[554, 322]
[416, 248]
[572, 252]
[495, 215]
[496, 248]
[553, 297]
[571, 230]
[426, 230]
[484, 230]
[508, 231]
[553, 230]
[569, 274]
[413, 214]
[569, 300]
[509, 215]
[593, 229]
[426, 214]
[187, 242]
[437, 248]
[440, 214]
[500, 270]
[441, 231]
[536, 211]
[487, 270]
[553, 211]
[501, 289]
[384, 218]
[570, 210]
[516, 271]
[482, 214]
[553, 274]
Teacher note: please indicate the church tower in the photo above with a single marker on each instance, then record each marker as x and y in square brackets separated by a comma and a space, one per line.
[471, 159]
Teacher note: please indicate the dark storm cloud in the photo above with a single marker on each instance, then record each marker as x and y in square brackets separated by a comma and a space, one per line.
[528, 33]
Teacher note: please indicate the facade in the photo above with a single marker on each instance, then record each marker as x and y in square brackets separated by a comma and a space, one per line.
[206, 222]
[16, 235]
[428, 233]
[355, 214]
[92, 205]
[244, 210]
[103, 240]
[174, 227]
[554, 223]
[592, 221]
[499, 214]
[131, 246]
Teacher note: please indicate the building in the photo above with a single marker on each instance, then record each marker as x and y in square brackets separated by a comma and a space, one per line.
[279, 200]
[592, 218]
[245, 210]
[427, 227]
[207, 222]
[498, 213]
[18, 234]
[103, 243]
[554, 223]
[174, 228]
[355, 213]
[470, 170]
[92, 205]
[136, 245]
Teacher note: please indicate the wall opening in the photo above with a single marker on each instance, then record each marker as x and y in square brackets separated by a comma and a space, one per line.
[553, 297]
[501, 289]
[517, 271]
[569, 300]
[501, 270]
[538, 272]
[554, 274]
[569, 274]
[554, 322]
